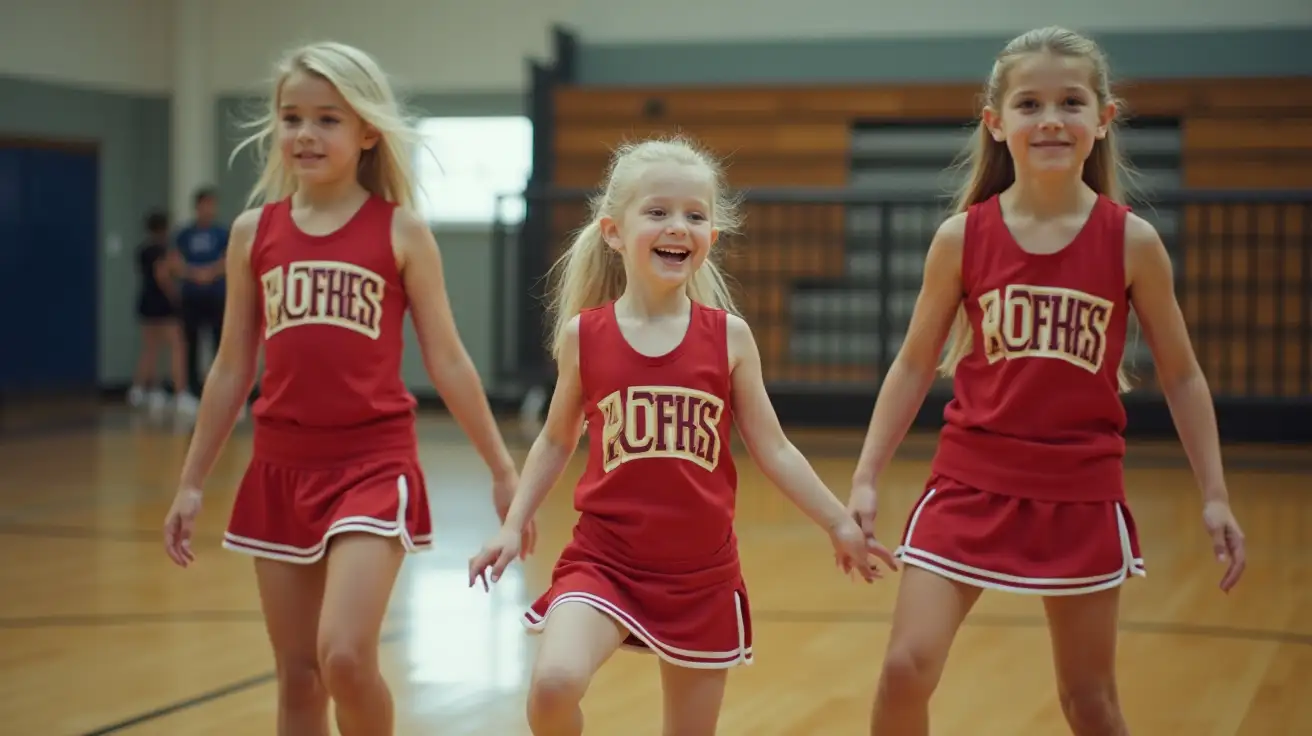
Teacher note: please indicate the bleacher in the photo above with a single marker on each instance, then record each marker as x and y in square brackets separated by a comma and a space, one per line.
[845, 185]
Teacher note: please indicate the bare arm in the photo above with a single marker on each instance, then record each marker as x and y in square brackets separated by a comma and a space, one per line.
[758, 424]
[912, 373]
[558, 439]
[233, 373]
[1152, 292]
[445, 357]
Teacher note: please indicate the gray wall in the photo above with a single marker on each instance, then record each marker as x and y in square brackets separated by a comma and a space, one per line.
[1146, 55]
[133, 132]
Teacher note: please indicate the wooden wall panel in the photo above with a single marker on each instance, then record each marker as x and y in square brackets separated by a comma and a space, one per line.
[1237, 134]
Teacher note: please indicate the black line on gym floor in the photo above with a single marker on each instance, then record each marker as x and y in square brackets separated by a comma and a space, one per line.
[208, 696]
[775, 616]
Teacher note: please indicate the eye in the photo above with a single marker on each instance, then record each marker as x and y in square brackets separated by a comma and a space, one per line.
[656, 212]
[291, 119]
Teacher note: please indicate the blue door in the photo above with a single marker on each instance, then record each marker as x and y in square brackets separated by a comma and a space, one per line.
[49, 202]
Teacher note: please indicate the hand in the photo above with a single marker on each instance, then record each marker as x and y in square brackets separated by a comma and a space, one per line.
[1227, 541]
[853, 548]
[503, 494]
[179, 525]
[862, 506]
[499, 553]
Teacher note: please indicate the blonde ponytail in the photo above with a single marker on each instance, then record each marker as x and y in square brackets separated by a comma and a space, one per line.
[590, 273]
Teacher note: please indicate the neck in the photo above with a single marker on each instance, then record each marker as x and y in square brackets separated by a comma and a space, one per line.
[1049, 196]
[645, 300]
[329, 194]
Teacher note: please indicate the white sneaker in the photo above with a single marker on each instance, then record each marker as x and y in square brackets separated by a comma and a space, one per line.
[185, 403]
[157, 400]
[136, 396]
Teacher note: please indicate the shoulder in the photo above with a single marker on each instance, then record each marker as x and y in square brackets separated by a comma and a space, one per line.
[244, 229]
[410, 232]
[1139, 233]
[567, 344]
[1144, 248]
[948, 243]
[951, 233]
[740, 341]
[736, 328]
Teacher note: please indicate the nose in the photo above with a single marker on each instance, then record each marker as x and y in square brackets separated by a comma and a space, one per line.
[1050, 119]
[677, 226]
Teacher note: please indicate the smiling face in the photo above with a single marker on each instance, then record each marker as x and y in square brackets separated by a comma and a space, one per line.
[665, 231]
[1049, 114]
[320, 136]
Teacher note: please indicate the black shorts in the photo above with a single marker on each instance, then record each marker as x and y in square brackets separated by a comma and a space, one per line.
[155, 308]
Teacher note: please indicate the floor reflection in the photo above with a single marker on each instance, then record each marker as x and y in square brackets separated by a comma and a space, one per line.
[461, 635]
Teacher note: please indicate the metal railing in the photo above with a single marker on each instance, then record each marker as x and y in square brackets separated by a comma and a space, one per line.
[827, 278]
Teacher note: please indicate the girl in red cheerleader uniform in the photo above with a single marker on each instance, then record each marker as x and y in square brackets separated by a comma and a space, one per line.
[321, 275]
[1041, 265]
[652, 358]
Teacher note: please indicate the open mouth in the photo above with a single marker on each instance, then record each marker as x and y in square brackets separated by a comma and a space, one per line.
[673, 255]
[309, 157]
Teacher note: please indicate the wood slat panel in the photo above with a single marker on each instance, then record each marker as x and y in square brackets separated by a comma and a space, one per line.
[1202, 133]
[745, 138]
[1255, 173]
[741, 172]
[843, 102]
[1237, 134]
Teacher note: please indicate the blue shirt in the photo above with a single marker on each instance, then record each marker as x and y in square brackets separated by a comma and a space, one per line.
[202, 246]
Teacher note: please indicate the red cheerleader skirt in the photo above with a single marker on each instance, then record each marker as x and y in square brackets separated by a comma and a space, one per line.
[1020, 545]
[299, 492]
[693, 614]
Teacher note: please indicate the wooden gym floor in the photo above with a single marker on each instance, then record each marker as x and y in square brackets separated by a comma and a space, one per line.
[100, 634]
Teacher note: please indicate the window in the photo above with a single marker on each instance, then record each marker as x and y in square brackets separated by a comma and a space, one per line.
[466, 162]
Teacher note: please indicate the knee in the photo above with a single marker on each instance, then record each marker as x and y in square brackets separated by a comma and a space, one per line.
[555, 689]
[348, 669]
[910, 673]
[299, 685]
[1091, 709]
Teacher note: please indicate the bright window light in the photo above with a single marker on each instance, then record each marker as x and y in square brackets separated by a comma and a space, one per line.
[466, 162]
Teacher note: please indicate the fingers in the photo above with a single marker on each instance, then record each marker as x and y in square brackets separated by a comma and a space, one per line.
[502, 562]
[881, 553]
[1219, 546]
[478, 566]
[177, 540]
[867, 521]
[1238, 554]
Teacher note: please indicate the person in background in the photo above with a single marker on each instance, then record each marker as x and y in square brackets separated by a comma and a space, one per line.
[157, 314]
[202, 246]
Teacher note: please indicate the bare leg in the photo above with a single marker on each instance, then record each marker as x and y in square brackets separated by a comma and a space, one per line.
[362, 569]
[692, 699]
[578, 639]
[291, 595]
[1083, 630]
[930, 609]
[177, 356]
[151, 337]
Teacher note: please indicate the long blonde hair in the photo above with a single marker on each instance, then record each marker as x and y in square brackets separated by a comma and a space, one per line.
[385, 169]
[992, 170]
[590, 273]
